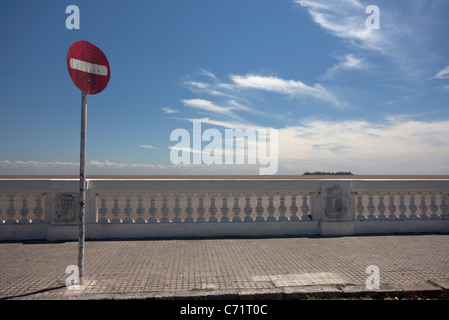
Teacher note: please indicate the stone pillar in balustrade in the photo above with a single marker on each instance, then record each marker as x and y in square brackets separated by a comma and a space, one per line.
[338, 207]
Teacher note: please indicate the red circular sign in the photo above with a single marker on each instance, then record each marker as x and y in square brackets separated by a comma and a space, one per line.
[88, 67]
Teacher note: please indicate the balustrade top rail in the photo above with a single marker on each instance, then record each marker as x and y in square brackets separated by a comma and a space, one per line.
[210, 184]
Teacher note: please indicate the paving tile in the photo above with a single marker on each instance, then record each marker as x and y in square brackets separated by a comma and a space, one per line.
[421, 287]
[443, 283]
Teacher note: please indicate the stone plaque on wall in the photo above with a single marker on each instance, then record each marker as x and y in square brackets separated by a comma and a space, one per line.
[66, 208]
[337, 203]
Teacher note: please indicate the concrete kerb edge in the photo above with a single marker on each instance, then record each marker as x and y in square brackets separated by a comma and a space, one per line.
[284, 293]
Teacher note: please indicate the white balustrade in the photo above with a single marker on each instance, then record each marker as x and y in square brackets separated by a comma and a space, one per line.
[234, 207]
[200, 207]
[21, 208]
[400, 205]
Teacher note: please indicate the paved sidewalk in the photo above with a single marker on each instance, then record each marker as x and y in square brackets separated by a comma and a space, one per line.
[226, 268]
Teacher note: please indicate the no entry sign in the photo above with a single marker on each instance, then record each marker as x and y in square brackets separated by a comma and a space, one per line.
[88, 67]
[89, 70]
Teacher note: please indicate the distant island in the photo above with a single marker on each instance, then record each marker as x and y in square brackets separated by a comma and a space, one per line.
[319, 173]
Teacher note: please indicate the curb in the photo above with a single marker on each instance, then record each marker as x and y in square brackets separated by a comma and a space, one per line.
[432, 289]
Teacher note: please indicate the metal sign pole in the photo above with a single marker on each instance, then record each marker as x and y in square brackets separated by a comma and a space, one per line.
[82, 194]
[90, 72]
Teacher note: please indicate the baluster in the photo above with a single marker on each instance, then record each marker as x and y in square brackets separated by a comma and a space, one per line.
[423, 207]
[1, 210]
[24, 211]
[259, 208]
[177, 209]
[128, 211]
[115, 212]
[212, 209]
[433, 207]
[248, 208]
[103, 211]
[224, 209]
[140, 210]
[11, 211]
[189, 208]
[282, 208]
[152, 209]
[370, 207]
[305, 207]
[165, 210]
[443, 206]
[270, 208]
[38, 211]
[402, 207]
[360, 208]
[412, 207]
[391, 207]
[293, 208]
[381, 206]
[236, 208]
[200, 210]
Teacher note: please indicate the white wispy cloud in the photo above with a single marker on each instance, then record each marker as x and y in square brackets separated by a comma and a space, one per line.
[147, 146]
[289, 87]
[347, 62]
[442, 74]
[444, 88]
[207, 74]
[169, 110]
[403, 36]
[346, 20]
[209, 107]
[227, 123]
[234, 91]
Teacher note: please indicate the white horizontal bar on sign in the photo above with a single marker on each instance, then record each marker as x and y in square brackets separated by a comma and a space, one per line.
[88, 67]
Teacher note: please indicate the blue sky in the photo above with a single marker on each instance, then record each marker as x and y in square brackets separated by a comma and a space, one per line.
[342, 97]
